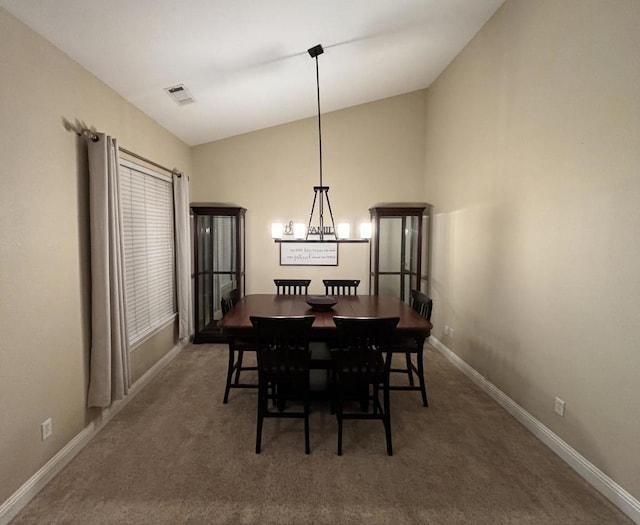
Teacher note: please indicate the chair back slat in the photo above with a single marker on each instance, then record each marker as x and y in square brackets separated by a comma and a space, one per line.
[422, 304]
[227, 302]
[292, 286]
[341, 286]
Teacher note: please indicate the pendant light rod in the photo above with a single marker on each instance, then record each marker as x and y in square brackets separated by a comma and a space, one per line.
[314, 52]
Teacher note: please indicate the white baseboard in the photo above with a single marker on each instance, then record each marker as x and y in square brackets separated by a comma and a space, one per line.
[594, 476]
[38, 481]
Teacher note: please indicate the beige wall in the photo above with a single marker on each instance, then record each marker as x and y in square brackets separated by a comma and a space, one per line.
[44, 242]
[371, 153]
[533, 165]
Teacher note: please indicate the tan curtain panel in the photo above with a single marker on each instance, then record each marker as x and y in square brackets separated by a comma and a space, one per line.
[109, 377]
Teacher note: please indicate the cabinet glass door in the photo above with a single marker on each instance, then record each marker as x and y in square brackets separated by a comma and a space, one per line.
[425, 276]
[390, 256]
[411, 256]
[218, 267]
[399, 253]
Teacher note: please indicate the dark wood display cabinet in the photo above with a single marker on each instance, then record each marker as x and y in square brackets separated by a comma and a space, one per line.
[400, 249]
[218, 264]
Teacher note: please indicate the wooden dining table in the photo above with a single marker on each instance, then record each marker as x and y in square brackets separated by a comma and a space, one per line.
[237, 322]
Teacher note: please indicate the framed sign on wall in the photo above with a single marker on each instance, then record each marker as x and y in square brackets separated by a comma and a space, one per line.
[309, 254]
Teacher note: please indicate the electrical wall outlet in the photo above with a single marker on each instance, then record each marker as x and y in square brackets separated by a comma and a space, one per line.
[558, 406]
[46, 429]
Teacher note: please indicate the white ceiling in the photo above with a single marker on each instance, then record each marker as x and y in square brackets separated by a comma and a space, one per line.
[245, 62]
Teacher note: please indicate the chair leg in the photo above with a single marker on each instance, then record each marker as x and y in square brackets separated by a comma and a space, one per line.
[280, 392]
[423, 388]
[262, 407]
[229, 374]
[307, 447]
[339, 417]
[376, 398]
[239, 367]
[407, 357]
[387, 419]
[332, 392]
[364, 400]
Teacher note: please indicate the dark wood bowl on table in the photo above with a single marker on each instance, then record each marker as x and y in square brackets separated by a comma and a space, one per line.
[321, 303]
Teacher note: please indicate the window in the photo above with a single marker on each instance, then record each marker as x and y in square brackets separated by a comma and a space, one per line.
[148, 240]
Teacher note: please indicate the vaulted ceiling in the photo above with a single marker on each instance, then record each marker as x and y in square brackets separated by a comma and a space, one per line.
[245, 62]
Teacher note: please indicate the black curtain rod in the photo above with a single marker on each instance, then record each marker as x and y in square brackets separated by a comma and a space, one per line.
[88, 134]
[140, 157]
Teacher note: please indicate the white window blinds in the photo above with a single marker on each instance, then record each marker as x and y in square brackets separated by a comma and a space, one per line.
[148, 238]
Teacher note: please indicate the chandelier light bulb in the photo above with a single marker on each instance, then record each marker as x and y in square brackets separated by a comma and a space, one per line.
[277, 230]
[299, 230]
[366, 230]
[343, 230]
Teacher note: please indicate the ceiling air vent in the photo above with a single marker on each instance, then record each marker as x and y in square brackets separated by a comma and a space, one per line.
[180, 94]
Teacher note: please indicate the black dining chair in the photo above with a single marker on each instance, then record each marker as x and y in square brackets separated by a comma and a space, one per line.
[409, 347]
[283, 369]
[341, 286]
[237, 348]
[360, 370]
[292, 286]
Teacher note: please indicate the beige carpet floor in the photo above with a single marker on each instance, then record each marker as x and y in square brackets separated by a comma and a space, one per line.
[176, 454]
